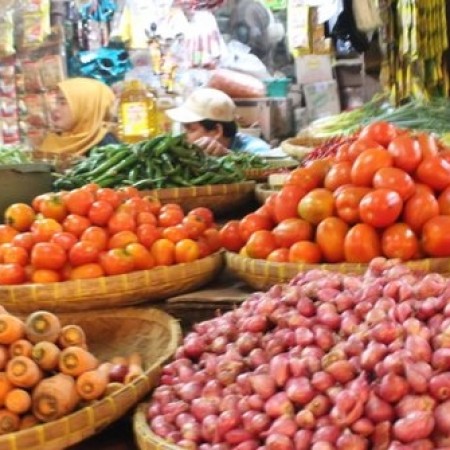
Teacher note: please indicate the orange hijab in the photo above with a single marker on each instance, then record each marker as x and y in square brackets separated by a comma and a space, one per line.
[90, 102]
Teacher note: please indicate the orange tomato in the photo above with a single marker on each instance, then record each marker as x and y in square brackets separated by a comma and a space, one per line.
[361, 244]
[305, 252]
[128, 192]
[419, 208]
[146, 217]
[253, 222]
[45, 276]
[20, 216]
[48, 255]
[434, 171]
[116, 261]
[64, 239]
[279, 255]
[367, 163]
[78, 201]
[406, 153]
[154, 204]
[110, 196]
[260, 244]
[121, 221]
[316, 205]
[14, 254]
[147, 234]
[36, 202]
[292, 230]
[97, 235]
[443, 202]
[53, 207]
[25, 240]
[76, 224]
[400, 242]
[347, 199]
[143, 259]
[169, 216]
[330, 236]
[203, 212]
[343, 153]
[175, 233]
[360, 145]
[195, 225]
[304, 178]
[12, 274]
[395, 179]
[87, 271]
[43, 229]
[186, 250]
[380, 208]
[379, 131]
[134, 205]
[100, 212]
[83, 252]
[230, 236]
[212, 237]
[286, 202]
[338, 175]
[121, 239]
[436, 237]
[319, 167]
[428, 144]
[163, 252]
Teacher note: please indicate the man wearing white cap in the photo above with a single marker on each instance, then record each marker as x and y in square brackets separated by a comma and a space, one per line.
[208, 117]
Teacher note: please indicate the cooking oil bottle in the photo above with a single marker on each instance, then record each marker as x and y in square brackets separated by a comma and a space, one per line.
[138, 115]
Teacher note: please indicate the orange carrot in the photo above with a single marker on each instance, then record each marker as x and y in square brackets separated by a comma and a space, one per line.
[11, 329]
[76, 360]
[72, 335]
[54, 397]
[9, 421]
[42, 326]
[4, 356]
[22, 347]
[23, 372]
[18, 401]
[92, 384]
[28, 421]
[135, 369]
[5, 387]
[46, 355]
[113, 387]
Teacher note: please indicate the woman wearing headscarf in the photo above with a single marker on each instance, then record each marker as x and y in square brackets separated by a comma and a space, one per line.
[80, 118]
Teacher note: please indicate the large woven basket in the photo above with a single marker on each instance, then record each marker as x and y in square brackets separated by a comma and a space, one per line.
[119, 290]
[263, 191]
[299, 146]
[220, 198]
[261, 274]
[274, 166]
[144, 437]
[151, 332]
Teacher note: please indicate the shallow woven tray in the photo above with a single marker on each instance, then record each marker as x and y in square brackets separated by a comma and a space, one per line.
[220, 198]
[119, 290]
[274, 166]
[263, 191]
[151, 332]
[144, 437]
[299, 146]
[261, 274]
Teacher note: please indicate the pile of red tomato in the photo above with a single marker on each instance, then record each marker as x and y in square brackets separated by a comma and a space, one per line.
[92, 232]
[385, 193]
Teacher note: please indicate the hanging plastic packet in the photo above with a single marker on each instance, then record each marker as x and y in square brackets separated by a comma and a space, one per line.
[7, 35]
[35, 22]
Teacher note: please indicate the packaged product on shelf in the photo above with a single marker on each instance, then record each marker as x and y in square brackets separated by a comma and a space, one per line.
[7, 82]
[10, 130]
[36, 111]
[36, 27]
[8, 107]
[7, 34]
[32, 76]
[51, 70]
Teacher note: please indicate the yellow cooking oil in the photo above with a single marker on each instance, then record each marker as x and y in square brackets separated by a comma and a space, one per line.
[138, 115]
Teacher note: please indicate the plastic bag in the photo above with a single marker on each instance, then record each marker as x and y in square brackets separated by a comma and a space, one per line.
[367, 15]
[237, 85]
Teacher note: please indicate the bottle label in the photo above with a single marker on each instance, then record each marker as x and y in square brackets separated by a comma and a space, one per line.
[135, 119]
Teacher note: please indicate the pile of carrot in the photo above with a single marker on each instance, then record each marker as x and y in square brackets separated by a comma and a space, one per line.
[47, 370]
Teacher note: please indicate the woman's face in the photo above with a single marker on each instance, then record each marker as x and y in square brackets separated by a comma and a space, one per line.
[195, 131]
[61, 116]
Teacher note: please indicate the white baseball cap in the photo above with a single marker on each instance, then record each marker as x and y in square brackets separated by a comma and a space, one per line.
[204, 104]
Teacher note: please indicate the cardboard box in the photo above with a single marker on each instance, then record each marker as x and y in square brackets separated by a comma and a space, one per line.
[322, 99]
[313, 68]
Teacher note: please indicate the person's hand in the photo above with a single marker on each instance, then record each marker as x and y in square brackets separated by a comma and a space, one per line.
[212, 146]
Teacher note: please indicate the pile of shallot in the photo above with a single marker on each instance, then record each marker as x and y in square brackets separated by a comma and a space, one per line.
[328, 361]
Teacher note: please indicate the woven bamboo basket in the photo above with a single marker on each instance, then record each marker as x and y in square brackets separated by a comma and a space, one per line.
[144, 437]
[220, 198]
[107, 292]
[261, 274]
[299, 146]
[151, 332]
[263, 191]
[275, 166]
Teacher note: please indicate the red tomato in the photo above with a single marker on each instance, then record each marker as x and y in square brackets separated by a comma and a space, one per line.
[436, 237]
[128, 192]
[83, 252]
[400, 242]
[16, 255]
[205, 213]
[395, 179]
[116, 261]
[230, 236]
[147, 234]
[76, 224]
[406, 153]
[96, 235]
[380, 208]
[260, 244]
[110, 196]
[212, 236]
[48, 255]
[175, 233]
[195, 225]
[362, 243]
[121, 221]
[380, 131]
[434, 171]
[420, 207]
[154, 203]
[290, 231]
[186, 250]
[170, 216]
[347, 199]
[443, 201]
[100, 212]
[253, 222]
[366, 165]
[64, 239]
[338, 175]
[361, 145]
[303, 178]
[79, 201]
[122, 238]
[25, 240]
[428, 144]
[286, 202]
[12, 274]
[146, 217]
